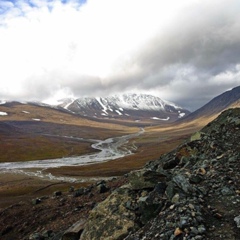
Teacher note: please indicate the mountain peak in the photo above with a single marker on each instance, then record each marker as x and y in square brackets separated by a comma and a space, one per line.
[132, 106]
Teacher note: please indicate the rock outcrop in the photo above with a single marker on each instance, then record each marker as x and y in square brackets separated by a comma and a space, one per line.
[192, 192]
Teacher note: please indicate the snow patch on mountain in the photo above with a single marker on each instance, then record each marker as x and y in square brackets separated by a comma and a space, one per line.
[119, 113]
[3, 114]
[181, 114]
[103, 106]
[72, 100]
[162, 119]
[65, 103]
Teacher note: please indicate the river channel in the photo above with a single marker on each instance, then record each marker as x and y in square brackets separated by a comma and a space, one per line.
[109, 149]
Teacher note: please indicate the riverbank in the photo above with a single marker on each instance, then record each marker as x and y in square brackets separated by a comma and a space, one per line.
[108, 149]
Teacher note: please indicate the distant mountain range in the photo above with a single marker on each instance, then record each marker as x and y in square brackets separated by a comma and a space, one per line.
[126, 106]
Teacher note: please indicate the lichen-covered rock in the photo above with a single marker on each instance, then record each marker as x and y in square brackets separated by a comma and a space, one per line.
[144, 179]
[128, 208]
[111, 219]
[197, 136]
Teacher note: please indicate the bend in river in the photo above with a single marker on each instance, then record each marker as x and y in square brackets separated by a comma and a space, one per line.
[111, 148]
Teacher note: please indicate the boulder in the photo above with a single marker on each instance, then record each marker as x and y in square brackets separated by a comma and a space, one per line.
[74, 232]
[145, 179]
[36, 201]
[111, 219]
[183, 183]
[102, 188]
[57, 193]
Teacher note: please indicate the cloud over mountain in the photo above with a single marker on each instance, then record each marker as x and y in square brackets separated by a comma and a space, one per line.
[185, 51]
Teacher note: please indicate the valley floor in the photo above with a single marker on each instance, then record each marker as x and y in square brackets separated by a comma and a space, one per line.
[150, 145]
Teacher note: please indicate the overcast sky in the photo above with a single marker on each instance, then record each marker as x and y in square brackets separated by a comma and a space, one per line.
[184, 51]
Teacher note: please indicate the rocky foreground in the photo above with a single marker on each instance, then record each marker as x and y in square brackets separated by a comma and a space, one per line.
[192, 192]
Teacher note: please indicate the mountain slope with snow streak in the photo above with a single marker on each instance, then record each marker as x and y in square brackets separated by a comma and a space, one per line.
[126, 106]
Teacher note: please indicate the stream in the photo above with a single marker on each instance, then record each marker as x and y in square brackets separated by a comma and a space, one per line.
[109, 149]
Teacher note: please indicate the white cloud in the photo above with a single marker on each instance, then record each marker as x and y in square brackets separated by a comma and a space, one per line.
[50, 48]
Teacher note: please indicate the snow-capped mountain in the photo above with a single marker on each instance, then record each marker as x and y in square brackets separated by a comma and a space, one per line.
[125, 106]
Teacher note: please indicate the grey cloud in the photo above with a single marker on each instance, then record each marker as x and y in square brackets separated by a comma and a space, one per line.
[52, 82]
[183, 61]
[203, 43]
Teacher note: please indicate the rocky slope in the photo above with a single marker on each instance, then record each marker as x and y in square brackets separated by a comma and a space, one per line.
[192, 193]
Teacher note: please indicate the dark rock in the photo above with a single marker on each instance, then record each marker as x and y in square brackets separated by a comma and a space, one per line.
[101, 182]
[6, 230]
[102, 188]
[57, 193]
[36, 201]
[78, 208]
[195, 179]
[75, 231]
[183, 222]
[48, 234]
[79, 192]
[171, 190]
[36, 236]
[148, 209]
[171, 164]
[183, 183]
[160, 188]
[131, 206]
[227, 191]
[201, 229]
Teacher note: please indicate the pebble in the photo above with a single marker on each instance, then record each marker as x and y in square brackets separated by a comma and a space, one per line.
[178, 231]
[237, 221]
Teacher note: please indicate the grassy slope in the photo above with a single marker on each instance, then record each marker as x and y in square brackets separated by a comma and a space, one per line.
[15, 113]
[29, 142]
[30, 147]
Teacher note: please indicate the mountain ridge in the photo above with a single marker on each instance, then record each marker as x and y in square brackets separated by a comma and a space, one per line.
[125, 106]
[214, 107]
